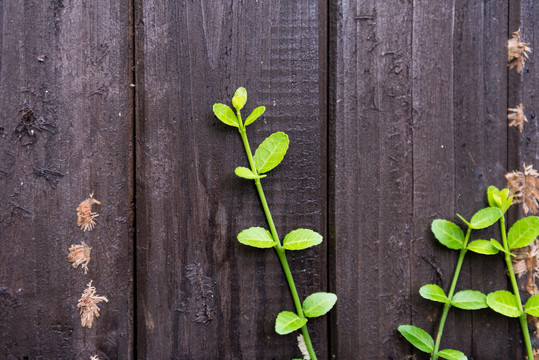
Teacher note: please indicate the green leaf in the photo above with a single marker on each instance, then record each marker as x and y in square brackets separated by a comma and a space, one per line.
[493, 196]
[485, 217]
[255, 115]
[288, 322]
[504, 303]
[523, 232]
[469, 300]
[506, 201]
[464, 220]
[225, 114]
[499, 199]
[451, 354]
[257, 237]
[246, 173]
[482, 247]
[433, 292]
[271, 152]
[240, 98]
[497, 245]
[301, 239]
[318, 304]
[532, 305]
[448, 233]
[417, 337]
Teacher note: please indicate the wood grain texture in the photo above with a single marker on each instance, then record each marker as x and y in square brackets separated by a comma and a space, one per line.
[66, 65]
[370, 114]
[201, 294]
[522, 88]
[480, 93]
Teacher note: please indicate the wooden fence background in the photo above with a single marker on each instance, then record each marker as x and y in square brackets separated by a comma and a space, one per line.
[396, 111]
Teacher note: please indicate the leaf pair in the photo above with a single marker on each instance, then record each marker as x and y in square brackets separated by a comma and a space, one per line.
[314, 305]
[267, 156]
[466, 299]
[452, 236]
[507, 304]
[227, 116]
[424, 342]
[522, 233]
[295, 240]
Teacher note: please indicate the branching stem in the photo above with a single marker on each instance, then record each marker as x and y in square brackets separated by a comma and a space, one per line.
[447, 306]
[522, 318]
[278, 247]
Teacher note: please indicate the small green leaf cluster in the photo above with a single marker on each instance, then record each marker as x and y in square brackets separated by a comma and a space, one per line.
[226, 114]
[267, 156]
[424, 342]
[314, 305]
[452, 236]
[521, 234]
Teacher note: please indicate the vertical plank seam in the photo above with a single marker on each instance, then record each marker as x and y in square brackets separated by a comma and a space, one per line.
[331, 63]
[413, 120]
[133, 74]
[327, 137]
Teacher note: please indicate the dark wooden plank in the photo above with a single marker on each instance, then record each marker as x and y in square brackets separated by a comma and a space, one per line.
[433, 160]
[370, 114]
[480, 90]
[201, 294]
[524, 147]
[69, 62]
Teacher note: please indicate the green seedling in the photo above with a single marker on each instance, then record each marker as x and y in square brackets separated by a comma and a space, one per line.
[521, 234]
[267, 156]
[452, 236]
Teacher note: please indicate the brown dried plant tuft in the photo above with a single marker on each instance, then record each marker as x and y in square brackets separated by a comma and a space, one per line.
[88, 305]
[524, 187]
[85, 216]
[517, 117]
[517, 52]
[525, 262]
[80, 255]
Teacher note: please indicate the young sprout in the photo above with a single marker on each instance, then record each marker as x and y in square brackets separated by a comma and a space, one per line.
[266, 157]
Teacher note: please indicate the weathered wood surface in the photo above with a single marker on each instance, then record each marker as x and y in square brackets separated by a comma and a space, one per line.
[70, 63]
[522, 88]
[201, 294]
[418, 98]
[396, 113]
[370, 115]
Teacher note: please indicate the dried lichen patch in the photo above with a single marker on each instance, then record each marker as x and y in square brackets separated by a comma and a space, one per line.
[85, 216]
[524, 187]
[88, 305]
[517, 117]
[517, 51]
[80, 255]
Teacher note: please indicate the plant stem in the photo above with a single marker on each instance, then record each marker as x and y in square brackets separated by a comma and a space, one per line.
[522, 318]
[447, 306]
[278, 248]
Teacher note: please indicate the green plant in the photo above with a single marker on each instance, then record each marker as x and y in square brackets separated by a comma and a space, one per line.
[267, 156]
[521, 234]
[452, 236]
